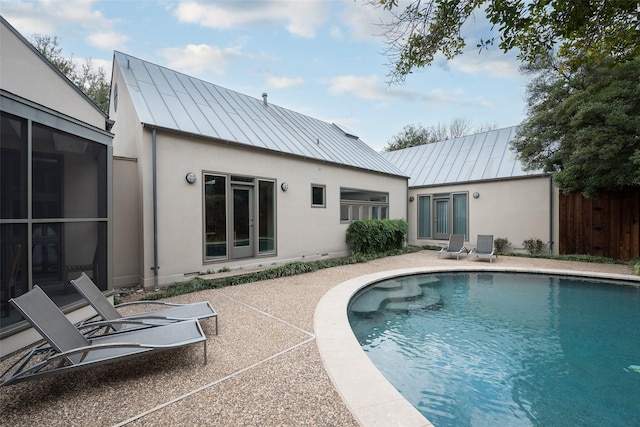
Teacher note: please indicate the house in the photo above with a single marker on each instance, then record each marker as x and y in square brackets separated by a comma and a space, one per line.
[207, 178]
[476, 185]
[55, 184]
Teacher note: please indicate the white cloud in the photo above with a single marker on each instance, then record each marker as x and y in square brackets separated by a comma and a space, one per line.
[200, 58]
[302, 18]
[284, 82]
[364, 21]
[368, 87]
[50, 16]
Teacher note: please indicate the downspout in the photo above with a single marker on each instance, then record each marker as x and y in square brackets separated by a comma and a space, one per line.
[155, 267]
[551, 214]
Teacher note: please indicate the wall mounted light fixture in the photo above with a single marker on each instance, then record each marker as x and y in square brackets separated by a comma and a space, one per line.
[411, 199]
[476, 195]
[191, 177]
[284, 186]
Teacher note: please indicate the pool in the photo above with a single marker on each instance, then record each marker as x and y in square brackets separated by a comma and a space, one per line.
[505, 348]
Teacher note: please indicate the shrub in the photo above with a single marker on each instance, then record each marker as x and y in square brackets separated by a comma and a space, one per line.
[534, 246]
[501, 244]
[635, 266]
[372, 236]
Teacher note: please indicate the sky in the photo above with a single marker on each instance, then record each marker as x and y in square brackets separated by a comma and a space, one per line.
[323, 58]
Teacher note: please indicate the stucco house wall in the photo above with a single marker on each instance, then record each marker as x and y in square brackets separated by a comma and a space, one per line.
[303, 232]
[516, 209]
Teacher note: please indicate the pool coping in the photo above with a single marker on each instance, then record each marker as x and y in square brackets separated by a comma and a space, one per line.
[369, 396]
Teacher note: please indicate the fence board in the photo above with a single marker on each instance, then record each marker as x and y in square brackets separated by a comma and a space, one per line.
[606, 226]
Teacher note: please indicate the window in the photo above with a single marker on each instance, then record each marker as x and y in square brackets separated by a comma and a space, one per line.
[424, 217]
[266, 217]
[363, 204]
[443, 214]
[239, 216]
[215, 207]
[317, 196]
[67, 223]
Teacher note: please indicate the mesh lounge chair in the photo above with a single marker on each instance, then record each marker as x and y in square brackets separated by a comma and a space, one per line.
[173, 312]
[455, 247]
[484, 248]
[67, 349]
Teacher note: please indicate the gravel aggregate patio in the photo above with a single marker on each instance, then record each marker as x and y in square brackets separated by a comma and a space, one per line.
[264, 365]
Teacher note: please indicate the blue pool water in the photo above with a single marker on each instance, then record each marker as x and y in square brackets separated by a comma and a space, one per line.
[506, 349]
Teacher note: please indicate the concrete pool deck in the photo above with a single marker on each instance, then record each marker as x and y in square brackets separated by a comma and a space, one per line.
[266, 367]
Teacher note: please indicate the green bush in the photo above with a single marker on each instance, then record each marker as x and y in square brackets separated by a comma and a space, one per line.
[501, 244]
[372, 236]
[534, 246]
[635, 266]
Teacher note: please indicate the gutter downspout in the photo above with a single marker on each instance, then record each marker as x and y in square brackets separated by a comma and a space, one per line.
[155, 267]
[551, 214]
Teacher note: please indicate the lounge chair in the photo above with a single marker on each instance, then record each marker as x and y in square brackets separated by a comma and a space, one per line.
[484, 248]
[455, 246]
[67, 349]
[173, 312]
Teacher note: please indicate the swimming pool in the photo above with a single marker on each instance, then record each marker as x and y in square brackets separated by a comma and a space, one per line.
[494, 348]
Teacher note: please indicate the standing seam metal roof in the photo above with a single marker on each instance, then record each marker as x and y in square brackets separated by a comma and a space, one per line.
[175, 101]
[480, 157]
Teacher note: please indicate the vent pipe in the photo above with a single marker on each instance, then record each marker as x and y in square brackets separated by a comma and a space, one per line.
[264, 99]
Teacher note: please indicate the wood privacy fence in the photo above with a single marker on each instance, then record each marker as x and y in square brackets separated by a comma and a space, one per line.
[607, 226]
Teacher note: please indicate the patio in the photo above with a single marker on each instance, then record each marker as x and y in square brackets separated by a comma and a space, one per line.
[264, 366]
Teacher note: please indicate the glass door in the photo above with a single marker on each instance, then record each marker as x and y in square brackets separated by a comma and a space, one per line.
[242, 222]
[441, 229]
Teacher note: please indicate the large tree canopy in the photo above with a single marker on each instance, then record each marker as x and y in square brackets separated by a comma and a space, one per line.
[584, 127]
[578, 31]
[414, 135]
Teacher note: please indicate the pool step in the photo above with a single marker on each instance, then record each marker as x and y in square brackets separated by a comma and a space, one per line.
[393, 295]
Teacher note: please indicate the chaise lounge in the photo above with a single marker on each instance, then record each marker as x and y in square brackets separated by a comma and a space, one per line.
[484, 248]
[455, 246]
[173, 312]
[67, 349]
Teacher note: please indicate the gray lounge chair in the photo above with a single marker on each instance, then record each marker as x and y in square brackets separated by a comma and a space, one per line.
[484, 248]
[455, 246]
[67, 349]
[173, 312]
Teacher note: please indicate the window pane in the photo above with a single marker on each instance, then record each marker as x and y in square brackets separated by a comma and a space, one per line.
[344, 212]
[215, 188]
[266, 217]
[424, 216]
[460, 214]
[375, 212]
[442, 215]
[13, 167]
[63, 161]
[317, 195]
[13, 265]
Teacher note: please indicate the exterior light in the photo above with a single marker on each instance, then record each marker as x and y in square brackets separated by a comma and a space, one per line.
[191, 177]
[284, 186]
[476, 195]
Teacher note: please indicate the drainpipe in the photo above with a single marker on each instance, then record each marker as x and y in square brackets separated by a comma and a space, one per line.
[551, 214]
[155, 210]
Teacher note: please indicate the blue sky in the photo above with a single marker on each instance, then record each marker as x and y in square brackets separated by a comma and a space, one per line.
[323, 58]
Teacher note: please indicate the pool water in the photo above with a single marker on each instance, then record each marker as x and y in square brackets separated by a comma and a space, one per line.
[506, 349]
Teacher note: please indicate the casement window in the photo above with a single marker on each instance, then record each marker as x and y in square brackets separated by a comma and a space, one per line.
[363, 204]
[318, 196]
[239, 216]
[442, 214]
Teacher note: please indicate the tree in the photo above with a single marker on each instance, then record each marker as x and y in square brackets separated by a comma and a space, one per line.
[584, 127]
[90, 80]
[414, 135]
[578, 31]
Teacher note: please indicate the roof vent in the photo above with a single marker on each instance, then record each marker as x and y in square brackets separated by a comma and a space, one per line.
[264, 99]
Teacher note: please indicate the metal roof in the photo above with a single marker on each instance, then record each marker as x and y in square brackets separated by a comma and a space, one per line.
[480, 157]
[172, 100]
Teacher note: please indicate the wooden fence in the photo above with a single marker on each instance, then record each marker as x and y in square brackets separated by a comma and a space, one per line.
[607, 226]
